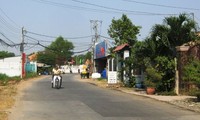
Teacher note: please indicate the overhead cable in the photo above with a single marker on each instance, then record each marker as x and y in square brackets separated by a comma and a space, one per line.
[110, 10]
[10, 18]
[7, 44]
[83, 50]
[167, 6]
[121, 10]
[7, 38]
[74, 7]
[57, 36]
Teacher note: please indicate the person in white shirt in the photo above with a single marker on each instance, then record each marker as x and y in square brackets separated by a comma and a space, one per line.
[56, 71]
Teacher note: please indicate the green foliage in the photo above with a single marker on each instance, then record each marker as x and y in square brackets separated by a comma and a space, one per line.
[159, 49]
[195, 92]
[100, 79]
[191, 74]
[57, 53]
[153, 74]
[149, 83]
[191, 71]
[123, 31]
[46, 57]
[153, 77]
[80, 59]
[5, 54]
[88, 55]
[31, 75]
[139, 54]
[174, 31]
[4, 79]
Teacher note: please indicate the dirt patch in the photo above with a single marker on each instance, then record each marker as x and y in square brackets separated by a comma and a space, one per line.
[7, 100]
[10, 94]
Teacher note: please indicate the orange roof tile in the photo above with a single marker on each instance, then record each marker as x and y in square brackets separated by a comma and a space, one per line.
[120, 47]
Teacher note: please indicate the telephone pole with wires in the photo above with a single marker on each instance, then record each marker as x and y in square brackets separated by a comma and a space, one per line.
[23, 56]
[96, 24]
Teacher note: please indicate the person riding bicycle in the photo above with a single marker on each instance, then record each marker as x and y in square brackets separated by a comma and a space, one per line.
[56, 72]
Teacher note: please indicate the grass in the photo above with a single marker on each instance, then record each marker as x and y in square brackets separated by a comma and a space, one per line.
[8, 90]
[3, 116]
[6, 100]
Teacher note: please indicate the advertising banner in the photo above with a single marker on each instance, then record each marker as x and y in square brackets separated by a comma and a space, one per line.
[100, 50]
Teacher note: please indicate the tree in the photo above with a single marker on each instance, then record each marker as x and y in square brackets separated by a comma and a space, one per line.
[162, 43]
[62, 50]
[5, 54]
[57, 53]
[174, 31]
[46, 57]
[123, 31]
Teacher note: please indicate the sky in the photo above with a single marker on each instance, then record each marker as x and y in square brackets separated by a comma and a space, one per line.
[44, 20]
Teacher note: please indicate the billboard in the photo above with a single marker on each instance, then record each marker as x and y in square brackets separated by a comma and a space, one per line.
[100, 50]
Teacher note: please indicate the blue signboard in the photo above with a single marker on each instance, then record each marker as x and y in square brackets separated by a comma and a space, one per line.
[100, 50]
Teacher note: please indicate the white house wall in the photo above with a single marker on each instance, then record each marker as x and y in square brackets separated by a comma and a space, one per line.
[11, 66]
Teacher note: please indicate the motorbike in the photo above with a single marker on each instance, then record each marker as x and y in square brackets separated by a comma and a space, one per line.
[57, 81]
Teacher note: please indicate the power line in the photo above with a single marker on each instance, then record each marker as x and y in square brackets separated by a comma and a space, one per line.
[7, 44]
[106, 37]
[84, 50]
[6, 38]
[37, 39]
[121, 10]
[9, 18]
[38, 43]
[8, 25]
[167, 6]
[43, 35]
[74, 7]
[110, 10]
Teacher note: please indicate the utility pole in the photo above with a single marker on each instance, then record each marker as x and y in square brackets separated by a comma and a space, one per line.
[95, 25]
[22, 55]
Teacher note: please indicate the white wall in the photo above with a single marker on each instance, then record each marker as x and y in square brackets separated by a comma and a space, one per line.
[11, 66]
[66, 68]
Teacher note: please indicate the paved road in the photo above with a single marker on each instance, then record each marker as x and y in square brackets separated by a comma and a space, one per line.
[83, 101]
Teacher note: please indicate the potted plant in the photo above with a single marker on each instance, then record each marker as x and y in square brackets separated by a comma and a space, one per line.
[152, 79]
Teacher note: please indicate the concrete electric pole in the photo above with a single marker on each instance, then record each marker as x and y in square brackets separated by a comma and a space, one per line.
[95, 25]
[22, 55]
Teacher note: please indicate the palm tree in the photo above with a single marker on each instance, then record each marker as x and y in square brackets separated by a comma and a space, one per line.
[174, 31]
[161, 45]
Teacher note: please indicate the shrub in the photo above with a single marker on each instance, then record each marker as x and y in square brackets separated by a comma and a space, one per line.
[31, 74]
[4, 79]
[191, 74]
[153, 77]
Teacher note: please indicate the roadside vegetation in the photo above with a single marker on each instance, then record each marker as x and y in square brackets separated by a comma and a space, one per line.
[156, 54]
[8, 90]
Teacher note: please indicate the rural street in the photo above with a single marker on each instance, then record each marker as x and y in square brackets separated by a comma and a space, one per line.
[78, 100]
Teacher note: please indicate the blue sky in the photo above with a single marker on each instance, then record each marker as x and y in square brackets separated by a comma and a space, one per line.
[71, 18]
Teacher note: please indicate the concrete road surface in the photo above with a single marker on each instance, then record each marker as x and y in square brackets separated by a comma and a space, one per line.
[83, 101]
